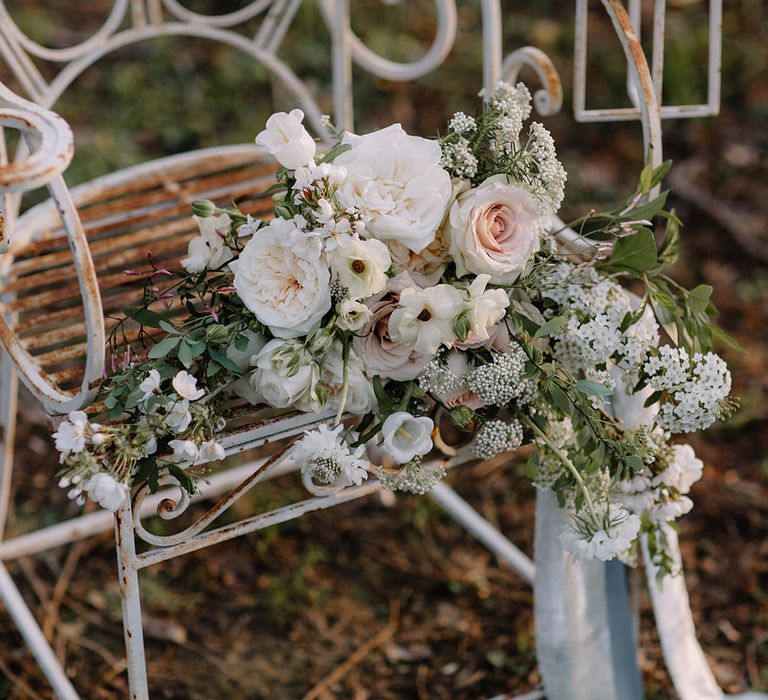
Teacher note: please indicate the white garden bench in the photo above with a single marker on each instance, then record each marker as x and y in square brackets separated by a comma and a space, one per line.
[53, 328]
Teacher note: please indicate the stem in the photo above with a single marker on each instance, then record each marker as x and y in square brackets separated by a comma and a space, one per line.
[566, 462]
[345, 387]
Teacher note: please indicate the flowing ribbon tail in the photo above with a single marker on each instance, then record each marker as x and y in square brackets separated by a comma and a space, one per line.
[685, 660]
[584, 637]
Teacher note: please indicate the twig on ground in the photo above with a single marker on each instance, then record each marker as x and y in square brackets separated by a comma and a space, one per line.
[357, 656]
[18, 682]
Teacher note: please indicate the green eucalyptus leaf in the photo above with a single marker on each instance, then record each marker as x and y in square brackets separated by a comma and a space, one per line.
[585, 386]
[634, 253]
[164, 347]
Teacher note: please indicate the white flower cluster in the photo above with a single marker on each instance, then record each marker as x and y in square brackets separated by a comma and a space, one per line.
[594, 308]
[660, 489]
[323, 456]
[496, 437]
[100, 459]
[513, 103]
[603, 535]
[412, 477]
[696, 388]
[501, 380]
[551, 178]
[459, 158]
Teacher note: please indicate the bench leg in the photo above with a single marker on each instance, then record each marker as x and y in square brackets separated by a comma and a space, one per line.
[33, 636]
[131, 602]
[9, 390]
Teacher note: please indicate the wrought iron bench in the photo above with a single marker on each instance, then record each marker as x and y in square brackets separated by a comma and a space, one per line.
[53, 327]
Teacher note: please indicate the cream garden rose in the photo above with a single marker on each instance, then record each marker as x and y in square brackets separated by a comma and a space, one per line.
[282, 277]
[494, 229]
[286, 375]
[397, 182]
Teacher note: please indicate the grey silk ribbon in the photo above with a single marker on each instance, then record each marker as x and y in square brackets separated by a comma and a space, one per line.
[584, 627]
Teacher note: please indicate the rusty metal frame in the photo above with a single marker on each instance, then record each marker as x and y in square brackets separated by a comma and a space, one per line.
[46, 153]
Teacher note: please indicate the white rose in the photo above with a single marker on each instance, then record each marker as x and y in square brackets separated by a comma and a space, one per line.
[424, 317]
[493, 229]
[426, 267]
[107, 491]
[286, 375]
[282, 278]
[405, 436]
[208, 251]
[287, 141]
[352, 315]
[396, 181]
[486, 307]
[360, 397]
[361, 266]
[185, 385]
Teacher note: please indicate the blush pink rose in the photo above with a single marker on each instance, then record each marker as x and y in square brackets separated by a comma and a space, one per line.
[494, 229]
[379, 353]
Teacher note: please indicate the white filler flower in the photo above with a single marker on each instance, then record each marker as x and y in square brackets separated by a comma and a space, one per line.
[208, 251]
[397, 182]
[286, 139]
[107, 491]
[282, 278]
[424, 318]
[70, 437]
[406, 436]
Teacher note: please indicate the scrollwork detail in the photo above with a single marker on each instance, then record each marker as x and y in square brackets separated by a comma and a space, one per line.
[549, 99]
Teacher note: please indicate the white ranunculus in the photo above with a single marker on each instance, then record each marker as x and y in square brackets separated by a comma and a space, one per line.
[107, 491]
[361, 266]
[360, 397]
[282, 278]
[70, 436]
[177, 416]
[286, 139]
[396, 181]
[494, 229]
[184, 451]
[286, 375]
[405, 436]
[486, 307]
[185, 385]
[352, 315]
[424, 317]
[208, 251]
[151, 383]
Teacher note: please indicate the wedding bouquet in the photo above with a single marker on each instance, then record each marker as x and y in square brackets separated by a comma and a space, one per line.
[403, 282]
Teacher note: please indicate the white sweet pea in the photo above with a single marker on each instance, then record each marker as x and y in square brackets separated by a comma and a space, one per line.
[211, 451]
[177, 416]
[184, 451]
[424, 318]
[361, 266]
[352, 315]
[397, 183]
[286, 375]
[150, 384]
[486, 307]
[71, 434]
[208, 251]
[185, 386]
[405, 436]
[282, 278]
[107, 491]
[287, 141]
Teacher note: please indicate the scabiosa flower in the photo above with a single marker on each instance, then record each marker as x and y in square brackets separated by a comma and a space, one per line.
[326, 459]
[500, 381]
[601, 535]
[497, 436]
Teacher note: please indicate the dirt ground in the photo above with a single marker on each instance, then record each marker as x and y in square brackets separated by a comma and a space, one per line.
[375, 602]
